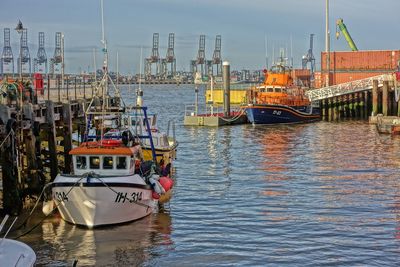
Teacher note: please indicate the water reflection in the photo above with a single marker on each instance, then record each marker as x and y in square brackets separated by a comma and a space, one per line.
[123, 245]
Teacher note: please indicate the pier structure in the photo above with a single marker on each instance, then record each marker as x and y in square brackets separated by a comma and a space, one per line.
[365, 98]
[37, 124]
[7, 58]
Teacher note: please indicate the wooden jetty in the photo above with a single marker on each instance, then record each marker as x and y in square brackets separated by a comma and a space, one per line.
[36, 126]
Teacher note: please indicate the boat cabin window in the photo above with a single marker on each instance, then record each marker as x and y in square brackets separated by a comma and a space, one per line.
[108, 163]
[270, 90]
[278, 90]
[94, 162]
[81, 162]
[121, 163]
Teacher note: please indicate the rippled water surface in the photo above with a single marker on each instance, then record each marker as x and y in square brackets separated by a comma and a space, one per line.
[303, 195]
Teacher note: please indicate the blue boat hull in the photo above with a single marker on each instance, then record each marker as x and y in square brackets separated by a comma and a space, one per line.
[279, 114]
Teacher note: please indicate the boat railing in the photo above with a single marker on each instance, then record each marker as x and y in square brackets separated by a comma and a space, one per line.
[233, 86]
[209, 110]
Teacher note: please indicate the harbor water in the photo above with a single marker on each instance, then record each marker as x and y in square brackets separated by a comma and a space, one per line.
[302, 195]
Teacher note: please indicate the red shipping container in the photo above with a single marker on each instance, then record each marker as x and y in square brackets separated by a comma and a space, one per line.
[38, 83]
[381, 60]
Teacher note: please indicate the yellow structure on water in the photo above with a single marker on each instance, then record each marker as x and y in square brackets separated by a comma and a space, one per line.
[238, 94]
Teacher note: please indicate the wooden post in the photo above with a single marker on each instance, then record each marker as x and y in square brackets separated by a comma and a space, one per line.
[336, 109]
[12, 203]
[51, 139]
[374, 97]
[398, 106]
[33, 178]
[58, 86]
[67, 137]
[323, 108]
[330, 109]
[366, 104]
[385, 97]
[67, 88]
[356, 101]
[48, 87]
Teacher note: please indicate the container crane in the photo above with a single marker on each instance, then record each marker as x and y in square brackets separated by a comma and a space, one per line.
[340, 26]
[309, 58]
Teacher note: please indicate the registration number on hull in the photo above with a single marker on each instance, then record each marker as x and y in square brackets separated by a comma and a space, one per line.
[123, 197]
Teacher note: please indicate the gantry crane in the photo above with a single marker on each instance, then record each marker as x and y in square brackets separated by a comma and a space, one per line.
[340, 26]
[309, 58]
[169, 59]
[201, 58]
[7, 59]
[216, 59]
[40, 62]
[153, 59]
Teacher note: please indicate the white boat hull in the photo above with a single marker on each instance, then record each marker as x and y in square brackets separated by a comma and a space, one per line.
[15, 253]
[94, 203]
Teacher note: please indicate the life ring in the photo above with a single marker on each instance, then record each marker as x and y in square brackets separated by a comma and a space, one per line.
[111, 143]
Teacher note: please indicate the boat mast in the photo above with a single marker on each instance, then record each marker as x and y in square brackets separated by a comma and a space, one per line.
[105, 69]
[139, 92]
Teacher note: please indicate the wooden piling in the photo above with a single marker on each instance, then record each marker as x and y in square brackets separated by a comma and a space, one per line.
[33, 177]
[323, 109]
[12, 202]
[67, 120]
[385, 98]
[330, 109]
[51, 139]
[367, 104]
[374, 97]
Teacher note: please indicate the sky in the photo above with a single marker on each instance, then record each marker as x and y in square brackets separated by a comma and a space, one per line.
[243, 24]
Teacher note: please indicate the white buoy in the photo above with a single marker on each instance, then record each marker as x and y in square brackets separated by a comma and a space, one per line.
[48, 207]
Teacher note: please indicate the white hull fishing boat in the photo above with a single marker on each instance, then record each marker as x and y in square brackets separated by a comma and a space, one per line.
[111, 183]
[13, 252]
[104, 188]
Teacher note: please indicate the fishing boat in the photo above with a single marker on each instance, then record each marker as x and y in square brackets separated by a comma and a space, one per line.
[278, 100]
[13, 252]
[165, 143]
[111, 183]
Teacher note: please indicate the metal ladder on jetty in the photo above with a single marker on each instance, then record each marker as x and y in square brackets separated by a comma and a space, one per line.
[347, 88]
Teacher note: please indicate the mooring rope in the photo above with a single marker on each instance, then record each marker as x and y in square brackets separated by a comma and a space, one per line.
[5, 139]
[127, 198]
[30, 214]
[236, 117]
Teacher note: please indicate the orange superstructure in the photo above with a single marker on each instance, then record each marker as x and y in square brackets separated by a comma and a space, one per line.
[279, 89]
[96, 148]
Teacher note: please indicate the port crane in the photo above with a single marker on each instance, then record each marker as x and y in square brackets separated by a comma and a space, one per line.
[342, 27]
[309, 58]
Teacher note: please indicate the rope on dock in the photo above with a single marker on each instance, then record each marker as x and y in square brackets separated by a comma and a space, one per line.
[236, 117]
[5, 139]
